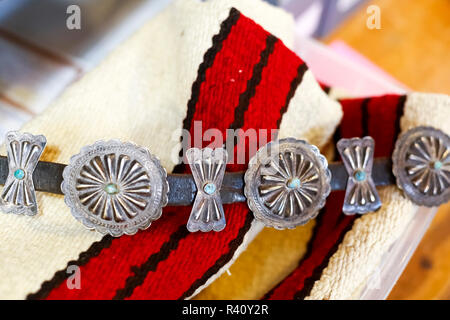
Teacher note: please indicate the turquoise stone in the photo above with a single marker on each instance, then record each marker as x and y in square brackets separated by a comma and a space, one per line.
[438, 165]
[360, 175]
[293, 183]
[19, 174]
[209, 188]
[111, 188]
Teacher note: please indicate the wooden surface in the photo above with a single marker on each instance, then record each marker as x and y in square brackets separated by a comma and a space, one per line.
[413, 45]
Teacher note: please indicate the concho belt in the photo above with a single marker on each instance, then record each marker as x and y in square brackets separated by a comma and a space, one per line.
[119, 188]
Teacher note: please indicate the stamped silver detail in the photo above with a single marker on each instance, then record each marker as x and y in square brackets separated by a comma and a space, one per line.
[115, 188]
[208, 168]
[18, 195]
[421, 165]
[361, 195]
[286, 183]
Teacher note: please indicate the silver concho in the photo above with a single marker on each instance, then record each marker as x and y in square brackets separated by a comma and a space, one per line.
[361, 195]
[208, 168]
[286, 183]
[421, 165]
[18, 195]
[115, 188]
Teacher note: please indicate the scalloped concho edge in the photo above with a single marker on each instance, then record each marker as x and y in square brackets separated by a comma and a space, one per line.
[76, 208]
[252, 170]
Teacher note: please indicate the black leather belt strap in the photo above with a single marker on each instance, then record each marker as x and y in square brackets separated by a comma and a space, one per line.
[47, 177]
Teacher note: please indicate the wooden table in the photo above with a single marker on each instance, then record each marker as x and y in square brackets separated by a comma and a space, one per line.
[413, 45]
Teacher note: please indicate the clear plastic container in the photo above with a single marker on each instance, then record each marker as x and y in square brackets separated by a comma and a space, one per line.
[395, 260]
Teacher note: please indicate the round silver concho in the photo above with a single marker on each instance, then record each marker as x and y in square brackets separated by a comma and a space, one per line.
[286, 183]
[115, 188]
[421, 165]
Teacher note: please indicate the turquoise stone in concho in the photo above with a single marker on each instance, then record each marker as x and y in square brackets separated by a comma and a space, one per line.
[209, 188]
[360, 175]
[438, 165]
[293, 183]
[19, 174]
[111, 189]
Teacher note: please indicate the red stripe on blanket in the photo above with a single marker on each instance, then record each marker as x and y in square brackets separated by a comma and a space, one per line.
[284, 71]
[268, 105]
[352, 123]
[384, 112]
[160, 283]
[229, 77]
[361, 116]
[202, 255]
